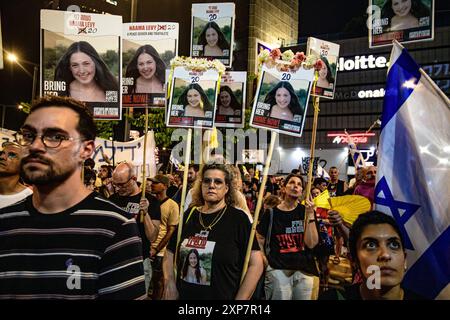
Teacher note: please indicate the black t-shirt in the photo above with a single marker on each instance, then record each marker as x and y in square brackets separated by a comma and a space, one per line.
[287, 248]
[221, 254]
[171, 191]
[336, 189]
[131, 206]
[352, 293]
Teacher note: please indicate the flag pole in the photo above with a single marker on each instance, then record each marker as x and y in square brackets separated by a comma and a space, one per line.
[273, 139]
[144, 184]
[187, 159]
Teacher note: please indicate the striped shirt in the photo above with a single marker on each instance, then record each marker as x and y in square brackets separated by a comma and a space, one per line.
[90, 251]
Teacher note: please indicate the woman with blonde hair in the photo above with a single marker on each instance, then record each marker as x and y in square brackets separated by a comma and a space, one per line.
[214, 226]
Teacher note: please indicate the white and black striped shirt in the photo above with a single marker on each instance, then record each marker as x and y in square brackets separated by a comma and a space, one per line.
[90, 251]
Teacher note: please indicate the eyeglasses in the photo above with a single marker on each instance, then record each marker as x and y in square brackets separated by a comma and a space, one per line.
[121, 185]
[219, 183]
[49, 139]
[9, 155]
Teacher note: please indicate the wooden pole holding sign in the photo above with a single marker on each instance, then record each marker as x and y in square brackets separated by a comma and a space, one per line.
[144, 180]
[313, 137]
[187, 160]
[259, 203]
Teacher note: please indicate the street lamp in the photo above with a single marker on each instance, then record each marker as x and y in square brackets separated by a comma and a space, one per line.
[13, 58]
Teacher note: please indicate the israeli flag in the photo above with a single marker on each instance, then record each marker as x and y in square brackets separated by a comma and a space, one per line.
[414, 172]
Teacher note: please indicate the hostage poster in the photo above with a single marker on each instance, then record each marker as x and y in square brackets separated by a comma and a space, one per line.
[192, 98]
[230, 111]
[212, 31]
[328, 53]
[402, 20]
[148, 48]
[81, 58]
[282, 100]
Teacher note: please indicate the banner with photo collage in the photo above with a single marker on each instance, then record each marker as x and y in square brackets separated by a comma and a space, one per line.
[193, 98]
[147, 50]
[81, 58]
[212, 31]
[230, 110]
[282, 100]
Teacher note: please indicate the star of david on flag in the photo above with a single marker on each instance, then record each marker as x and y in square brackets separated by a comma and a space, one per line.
[414, 172]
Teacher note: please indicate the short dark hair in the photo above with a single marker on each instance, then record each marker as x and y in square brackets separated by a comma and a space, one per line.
[196, 167]
[86, 126]
[292, 175]
[319, 181]
[365, 219]
[89, 162]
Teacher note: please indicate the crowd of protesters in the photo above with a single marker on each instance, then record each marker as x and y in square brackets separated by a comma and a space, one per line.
[59, 213]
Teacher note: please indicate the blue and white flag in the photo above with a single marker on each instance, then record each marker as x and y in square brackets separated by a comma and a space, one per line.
[414, 172]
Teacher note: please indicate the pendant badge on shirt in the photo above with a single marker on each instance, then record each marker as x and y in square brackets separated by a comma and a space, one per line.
[199, 240]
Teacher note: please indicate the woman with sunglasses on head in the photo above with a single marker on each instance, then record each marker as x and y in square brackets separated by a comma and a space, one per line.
[220, 232]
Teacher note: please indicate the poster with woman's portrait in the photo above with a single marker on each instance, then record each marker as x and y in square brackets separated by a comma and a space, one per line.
[402, 20]
[193, 98]
[281, 100]
[328, 53]
[195, 264]
[212, 31]
[230, 110]
[81, 58]
[147, 50]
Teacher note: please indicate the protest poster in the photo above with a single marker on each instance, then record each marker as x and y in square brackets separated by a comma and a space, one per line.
[230, 110]
[81, 58]
[329, 54]
[147, 50]
[405, 21]
[193, 98]
[212, 31]
[281, 100]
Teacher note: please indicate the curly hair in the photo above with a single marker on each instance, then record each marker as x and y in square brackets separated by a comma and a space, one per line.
[184, 101]
[132, 67]
[294, 106]
[231, 197]
[222, 43]
[103, 77]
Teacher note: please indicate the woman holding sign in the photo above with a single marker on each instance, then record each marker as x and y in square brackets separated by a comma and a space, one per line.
[213, 40]
[147, 70]
[195, 101]
[85, 74]
[284, 103]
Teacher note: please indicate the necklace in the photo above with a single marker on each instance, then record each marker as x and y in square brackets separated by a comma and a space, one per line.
[214, 222]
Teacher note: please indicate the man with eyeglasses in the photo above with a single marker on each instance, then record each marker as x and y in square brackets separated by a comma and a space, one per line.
[11, 190]
[128, 196]
[65, 242]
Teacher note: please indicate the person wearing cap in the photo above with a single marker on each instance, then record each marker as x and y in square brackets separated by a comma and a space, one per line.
[11, 190]
[169, 221]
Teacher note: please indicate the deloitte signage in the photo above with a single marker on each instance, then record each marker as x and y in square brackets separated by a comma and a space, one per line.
[362, 63]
